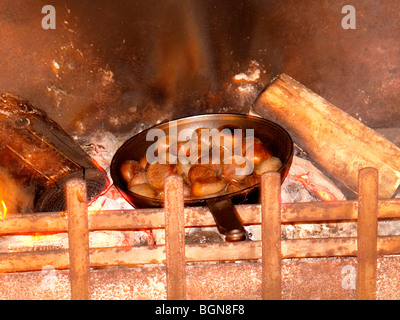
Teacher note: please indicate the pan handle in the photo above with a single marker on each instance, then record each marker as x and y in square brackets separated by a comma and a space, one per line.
[227, 219]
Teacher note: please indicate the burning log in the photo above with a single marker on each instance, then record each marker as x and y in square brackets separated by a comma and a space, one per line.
[37, 158]
[338, 143]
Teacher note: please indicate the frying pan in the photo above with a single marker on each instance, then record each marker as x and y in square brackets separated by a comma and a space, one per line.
[276, 139]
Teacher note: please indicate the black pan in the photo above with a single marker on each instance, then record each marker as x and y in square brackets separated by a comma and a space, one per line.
[274, 138]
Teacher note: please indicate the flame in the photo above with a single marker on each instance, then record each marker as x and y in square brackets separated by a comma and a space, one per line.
[95, 207]
[320, 191]
[38, 241]
[40, 237]
[3, 210]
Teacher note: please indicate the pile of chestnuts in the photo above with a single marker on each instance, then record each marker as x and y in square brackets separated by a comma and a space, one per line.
[210, 164]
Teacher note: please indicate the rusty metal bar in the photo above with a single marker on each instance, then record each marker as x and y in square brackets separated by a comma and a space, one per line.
[246, 250]
[194, 217]
[271, 236]
[78, 240]
[175, 239]
[367, 233]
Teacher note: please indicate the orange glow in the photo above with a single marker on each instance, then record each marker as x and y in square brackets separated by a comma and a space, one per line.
[95, 206]
[320, 191]
[55, 67]
[38, 239]
[3, 210]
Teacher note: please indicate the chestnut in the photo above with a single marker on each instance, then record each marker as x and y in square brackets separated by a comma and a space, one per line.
[144, 163]
[203, 187]
[143, 189]
[156, 174]
[212, 161]
[272, 164]
[186, 192]
[200, 171]
[183, 170]
[138, 178]
[254, 151]
[225, 153]
[236, 168]
[129, 168]
[204, 139]
[230, 137]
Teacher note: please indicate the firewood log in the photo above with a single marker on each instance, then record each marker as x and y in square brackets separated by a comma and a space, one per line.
[335, 141]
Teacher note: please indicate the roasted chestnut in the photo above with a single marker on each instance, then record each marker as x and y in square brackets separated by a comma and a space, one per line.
[272, 164]
[144, 163]
[236, 168]
[200, 171]
[203, 187]
[186, 192]
[183, 170]
[254, 151]
[230, 137]
[156, 174]
[138, 178]
[143, 189]
[203, 138]
[129, 168]
[213, 161]
[185, 152]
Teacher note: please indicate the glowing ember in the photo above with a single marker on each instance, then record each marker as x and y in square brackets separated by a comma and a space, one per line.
[96, 206]
[320, 191]
[3, 211]
[55, 67]
[38, 238]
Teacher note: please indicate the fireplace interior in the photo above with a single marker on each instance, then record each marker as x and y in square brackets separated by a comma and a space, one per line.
[109, 70]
